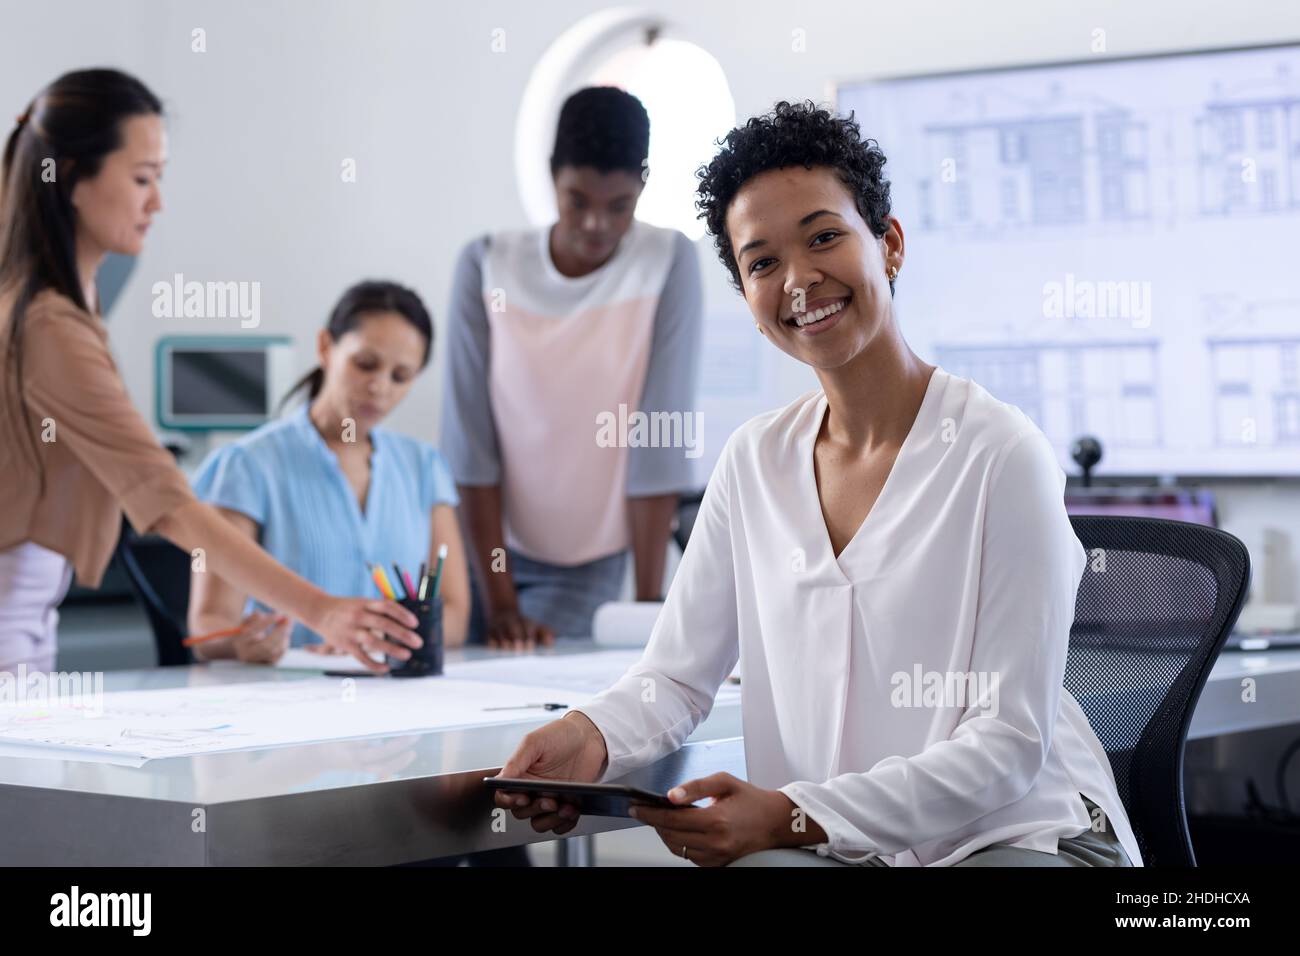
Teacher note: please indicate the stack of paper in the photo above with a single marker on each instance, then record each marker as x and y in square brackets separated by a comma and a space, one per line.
[130, 727]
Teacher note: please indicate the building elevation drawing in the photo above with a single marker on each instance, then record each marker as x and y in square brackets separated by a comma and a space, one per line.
[1111, 245]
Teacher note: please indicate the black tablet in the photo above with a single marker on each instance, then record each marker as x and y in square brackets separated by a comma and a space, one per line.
[596, 799]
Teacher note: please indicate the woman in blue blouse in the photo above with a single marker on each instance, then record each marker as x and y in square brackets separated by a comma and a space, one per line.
[325, 490]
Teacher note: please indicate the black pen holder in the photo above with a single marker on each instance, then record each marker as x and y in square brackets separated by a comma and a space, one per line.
[426, 660]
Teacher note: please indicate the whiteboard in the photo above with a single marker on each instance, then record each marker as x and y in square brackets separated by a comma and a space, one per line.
[1110, 245]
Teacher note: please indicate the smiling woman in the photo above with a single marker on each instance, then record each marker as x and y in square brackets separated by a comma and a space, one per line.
[813, 559]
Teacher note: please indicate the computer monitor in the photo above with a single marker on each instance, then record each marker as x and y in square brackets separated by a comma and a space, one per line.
[216, 383]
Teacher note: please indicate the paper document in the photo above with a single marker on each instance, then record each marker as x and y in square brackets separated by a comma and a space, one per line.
[588, 673]
[299, 658]
[133, 726]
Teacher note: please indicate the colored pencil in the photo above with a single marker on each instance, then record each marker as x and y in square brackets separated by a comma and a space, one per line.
[201, 638]
[381, 582]
[437, 575]
[226, 632]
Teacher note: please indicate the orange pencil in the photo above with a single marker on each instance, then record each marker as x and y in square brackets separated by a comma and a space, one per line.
[381, 581]
[227, 632]
[200, 638]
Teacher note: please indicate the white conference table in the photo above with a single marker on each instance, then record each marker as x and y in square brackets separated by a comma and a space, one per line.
[374, 801]
[391, 800]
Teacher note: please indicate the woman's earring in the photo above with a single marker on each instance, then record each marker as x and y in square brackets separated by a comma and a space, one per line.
[892, 272]
[759, 327]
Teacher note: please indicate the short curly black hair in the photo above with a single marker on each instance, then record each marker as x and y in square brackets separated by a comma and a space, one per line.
[793, 134]
[602, 127]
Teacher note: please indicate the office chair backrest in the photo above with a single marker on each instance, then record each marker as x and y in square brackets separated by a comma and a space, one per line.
[1156, 603]
[159, 573]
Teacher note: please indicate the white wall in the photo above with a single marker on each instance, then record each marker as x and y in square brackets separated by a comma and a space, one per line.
[412, 90]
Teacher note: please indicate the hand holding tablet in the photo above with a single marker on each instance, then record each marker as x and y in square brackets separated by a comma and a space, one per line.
[571, 750]
[596, 799]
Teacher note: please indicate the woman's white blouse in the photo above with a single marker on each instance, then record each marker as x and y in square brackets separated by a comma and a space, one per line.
[908, 694]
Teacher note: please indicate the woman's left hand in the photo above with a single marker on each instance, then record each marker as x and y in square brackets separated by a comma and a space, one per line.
[263, 638]
[742, 819]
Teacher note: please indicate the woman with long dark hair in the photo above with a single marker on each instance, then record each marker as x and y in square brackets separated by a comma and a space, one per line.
[80, 180]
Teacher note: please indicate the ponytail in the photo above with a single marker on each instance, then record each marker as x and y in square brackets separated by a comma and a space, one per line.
[312, 381]
[362, 299]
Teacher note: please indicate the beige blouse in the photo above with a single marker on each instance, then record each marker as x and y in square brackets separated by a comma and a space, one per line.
[98, 455]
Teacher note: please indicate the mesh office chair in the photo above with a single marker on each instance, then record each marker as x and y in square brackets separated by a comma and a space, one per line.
[1154, 607]
[159, 575]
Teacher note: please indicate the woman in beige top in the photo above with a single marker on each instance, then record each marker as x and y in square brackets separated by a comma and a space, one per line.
[81, 179]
